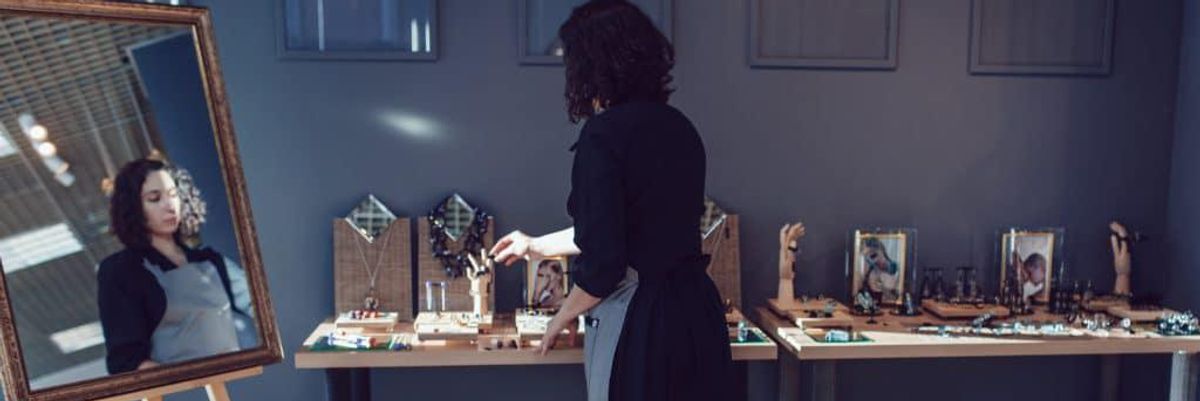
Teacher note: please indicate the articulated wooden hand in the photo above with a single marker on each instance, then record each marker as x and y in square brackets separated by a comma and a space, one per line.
[1122, 260]
[789, 236]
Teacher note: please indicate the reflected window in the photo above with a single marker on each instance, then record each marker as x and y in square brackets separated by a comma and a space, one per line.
[34, 247]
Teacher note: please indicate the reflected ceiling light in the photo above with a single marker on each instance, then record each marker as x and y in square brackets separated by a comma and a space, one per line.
[34, 247]
[415, 35]
[6, 146]
[65, 178]
[78, 338]
[39, 140]
[37, 132]
[410, 125]
[47, 149]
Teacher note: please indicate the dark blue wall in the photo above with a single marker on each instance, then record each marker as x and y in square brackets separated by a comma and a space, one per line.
[928, 146]
[168, 71]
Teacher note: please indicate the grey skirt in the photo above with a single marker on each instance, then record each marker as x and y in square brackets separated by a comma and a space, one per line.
[605, 322]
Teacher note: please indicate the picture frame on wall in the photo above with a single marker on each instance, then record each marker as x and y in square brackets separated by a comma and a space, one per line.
[1012, 37]
[1030, 259]
[880, 261]
[380, 30]
[820, 34]
[538, 22]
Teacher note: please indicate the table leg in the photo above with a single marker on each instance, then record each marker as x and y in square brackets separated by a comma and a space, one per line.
[1183, 377]
[1110, 377]
[360, 384]
[824, 384]
[789, 376]
[337, 385]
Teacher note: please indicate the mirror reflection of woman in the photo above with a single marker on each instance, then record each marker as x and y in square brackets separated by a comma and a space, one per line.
[160, 300]
[656, 327]
[883, 273]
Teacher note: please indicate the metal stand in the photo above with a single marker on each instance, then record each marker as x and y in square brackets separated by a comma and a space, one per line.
[1183, 377]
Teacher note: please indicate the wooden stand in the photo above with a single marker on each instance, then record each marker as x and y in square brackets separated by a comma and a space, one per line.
[797, 311]
[214, 385]
[955, 311]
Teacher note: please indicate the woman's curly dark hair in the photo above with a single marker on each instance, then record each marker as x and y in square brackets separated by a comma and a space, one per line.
[613, 54]
[126, 214]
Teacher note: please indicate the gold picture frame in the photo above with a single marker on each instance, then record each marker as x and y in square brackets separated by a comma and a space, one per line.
[892, 252]
[543, 295]
[269, 350]
[1039, 250]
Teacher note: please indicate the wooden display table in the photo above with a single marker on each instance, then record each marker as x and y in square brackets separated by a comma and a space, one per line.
[347, 374]
[892, 337]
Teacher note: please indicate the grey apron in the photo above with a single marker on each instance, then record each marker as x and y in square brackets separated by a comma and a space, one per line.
[198, 320]
[605, 322]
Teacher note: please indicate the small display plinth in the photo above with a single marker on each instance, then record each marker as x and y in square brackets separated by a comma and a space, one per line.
[384, 322]
[464, 326]
[963, 311]
[813, 313]
[1137, 315]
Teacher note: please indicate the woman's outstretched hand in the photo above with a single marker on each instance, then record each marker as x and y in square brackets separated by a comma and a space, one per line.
[554, 329]
[513, 247]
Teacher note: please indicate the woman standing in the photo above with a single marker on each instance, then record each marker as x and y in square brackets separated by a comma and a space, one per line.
[657, 328]
[161, 301]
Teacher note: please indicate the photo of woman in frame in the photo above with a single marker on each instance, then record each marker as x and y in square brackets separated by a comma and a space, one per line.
[880, 265]
[1029, 256]
[547, 283]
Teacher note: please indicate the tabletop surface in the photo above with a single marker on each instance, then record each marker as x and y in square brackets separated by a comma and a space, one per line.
[893, 337]
[463, 353]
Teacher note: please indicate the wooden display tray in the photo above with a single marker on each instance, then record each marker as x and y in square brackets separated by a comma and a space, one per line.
[1137, 316]
[451, 326]
[436, 353]
[957, 311]
[892, 337]
[382, 324]
[797, 313]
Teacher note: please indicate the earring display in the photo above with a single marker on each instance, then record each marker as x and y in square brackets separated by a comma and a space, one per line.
[438, 324]
[453, 232]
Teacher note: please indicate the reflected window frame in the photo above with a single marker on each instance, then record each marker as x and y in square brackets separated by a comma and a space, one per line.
[283, 52]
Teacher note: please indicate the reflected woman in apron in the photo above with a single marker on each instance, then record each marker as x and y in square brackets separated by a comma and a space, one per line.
[656, 327]
[160, 300]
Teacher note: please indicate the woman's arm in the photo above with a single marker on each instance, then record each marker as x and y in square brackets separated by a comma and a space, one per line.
[559, 243]
[577, 302]
[517, 245]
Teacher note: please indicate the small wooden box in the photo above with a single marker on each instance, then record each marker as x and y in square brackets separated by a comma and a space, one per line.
[450, 325]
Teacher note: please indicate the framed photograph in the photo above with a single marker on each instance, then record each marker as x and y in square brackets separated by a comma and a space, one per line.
[879, 262]
[547, 282]
[1028, 259]
[857, 35]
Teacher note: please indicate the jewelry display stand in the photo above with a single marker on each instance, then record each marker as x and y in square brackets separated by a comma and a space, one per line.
[375, 252]
[214, 385]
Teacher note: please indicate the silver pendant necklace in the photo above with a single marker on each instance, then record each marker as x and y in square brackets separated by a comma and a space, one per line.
[371, 299]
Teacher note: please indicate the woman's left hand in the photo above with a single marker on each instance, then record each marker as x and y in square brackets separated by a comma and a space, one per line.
[559, 323]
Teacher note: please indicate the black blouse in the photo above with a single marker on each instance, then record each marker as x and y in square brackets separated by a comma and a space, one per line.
[132, 303]
[637, 194]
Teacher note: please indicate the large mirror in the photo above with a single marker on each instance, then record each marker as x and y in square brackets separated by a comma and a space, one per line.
[128, 253]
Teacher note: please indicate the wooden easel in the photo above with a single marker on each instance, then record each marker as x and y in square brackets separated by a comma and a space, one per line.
[214, 385]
